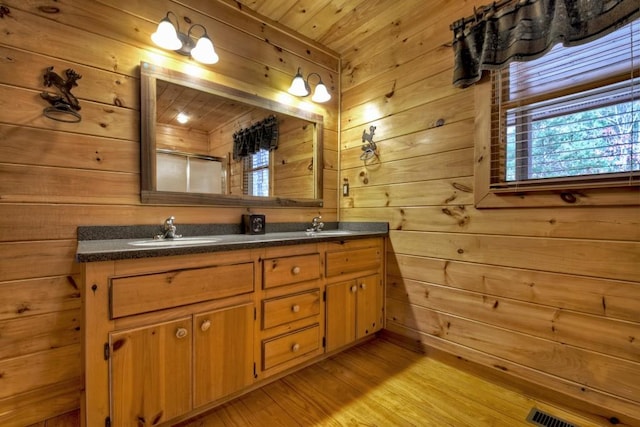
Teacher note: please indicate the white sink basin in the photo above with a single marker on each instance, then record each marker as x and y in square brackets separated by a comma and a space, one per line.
[182, 241]
[329, 233]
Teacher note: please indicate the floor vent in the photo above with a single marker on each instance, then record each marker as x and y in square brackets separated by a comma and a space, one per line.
[539, 418]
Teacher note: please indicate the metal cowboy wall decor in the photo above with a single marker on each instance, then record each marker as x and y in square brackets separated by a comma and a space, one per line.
[369, 147]
[64, 106]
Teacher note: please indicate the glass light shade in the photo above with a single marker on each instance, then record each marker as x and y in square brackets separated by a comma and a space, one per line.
[299, 86]
[321, 94]
[166, 36]
[204, 51]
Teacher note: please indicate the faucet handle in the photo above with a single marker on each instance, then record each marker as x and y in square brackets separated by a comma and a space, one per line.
[169, 230]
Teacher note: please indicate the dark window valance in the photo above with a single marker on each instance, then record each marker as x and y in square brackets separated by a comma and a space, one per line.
[262, 135]
[520, 30]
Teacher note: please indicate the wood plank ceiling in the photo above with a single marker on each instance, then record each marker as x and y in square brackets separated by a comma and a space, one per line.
[340, 25]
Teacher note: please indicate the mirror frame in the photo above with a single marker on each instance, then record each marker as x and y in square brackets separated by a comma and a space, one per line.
[149, 194]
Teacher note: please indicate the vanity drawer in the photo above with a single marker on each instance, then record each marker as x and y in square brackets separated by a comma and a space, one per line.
[353, 261]
[288, 270]
[140, 294]
[288, 347]
[278, 311]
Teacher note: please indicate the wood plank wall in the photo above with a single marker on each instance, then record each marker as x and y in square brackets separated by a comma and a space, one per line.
[56, 176]
[548, 296]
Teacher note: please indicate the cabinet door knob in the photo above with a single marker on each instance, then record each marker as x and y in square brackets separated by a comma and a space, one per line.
[295, 308]
[295, 347]
[205, 325]
[363, 286]
[295, 270]
[354, 288]
[181, 333]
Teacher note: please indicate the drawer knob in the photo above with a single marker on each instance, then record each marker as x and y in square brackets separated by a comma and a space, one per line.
[354, 288]
[205, 325]
[295, 270]
[295, 347]
[181, 333]
[295, 308]
[363, 286]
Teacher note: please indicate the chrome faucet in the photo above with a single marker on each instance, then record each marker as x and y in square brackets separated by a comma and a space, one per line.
[316, 224]
[169, 230]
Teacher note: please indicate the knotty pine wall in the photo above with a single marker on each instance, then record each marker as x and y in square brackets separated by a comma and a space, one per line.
[550, 296]
[56, 176]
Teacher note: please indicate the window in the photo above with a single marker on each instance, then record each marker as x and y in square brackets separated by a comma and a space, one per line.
[567, 120]
[256, 174]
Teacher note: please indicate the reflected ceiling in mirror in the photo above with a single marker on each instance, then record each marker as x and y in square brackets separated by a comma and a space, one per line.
[194, 122]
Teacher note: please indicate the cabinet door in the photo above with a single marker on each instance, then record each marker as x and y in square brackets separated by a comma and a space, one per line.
[369, 305]
[341, 316]
[151, 373]
[223, 352]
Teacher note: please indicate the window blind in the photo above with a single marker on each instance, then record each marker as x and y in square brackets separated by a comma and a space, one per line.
[255, 180]
[569, 118]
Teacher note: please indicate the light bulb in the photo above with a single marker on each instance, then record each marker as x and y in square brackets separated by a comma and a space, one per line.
[321, 94]
[204, 51]
[182, 118]
[298, 86]
[166, 36]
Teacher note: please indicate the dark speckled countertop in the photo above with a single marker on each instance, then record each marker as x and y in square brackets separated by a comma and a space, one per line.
[105, 243]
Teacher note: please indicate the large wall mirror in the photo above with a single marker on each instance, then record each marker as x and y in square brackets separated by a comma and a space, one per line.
[203, 143]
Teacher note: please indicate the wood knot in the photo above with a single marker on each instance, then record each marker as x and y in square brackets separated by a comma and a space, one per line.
[117, 345]
[48, 9]
[72, 282]
[568, 197]
[462, 187]
[22, 308]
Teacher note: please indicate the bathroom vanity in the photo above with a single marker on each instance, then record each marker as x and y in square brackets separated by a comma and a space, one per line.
[171, 330]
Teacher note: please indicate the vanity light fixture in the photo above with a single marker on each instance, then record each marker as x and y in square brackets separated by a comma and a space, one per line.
[169, 37]
[300, 87]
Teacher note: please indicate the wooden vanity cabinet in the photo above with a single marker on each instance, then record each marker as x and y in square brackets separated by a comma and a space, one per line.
[151, 373]
[166, 336]
[292, 326]
[354, 291]
[151, 367]
[223, 352]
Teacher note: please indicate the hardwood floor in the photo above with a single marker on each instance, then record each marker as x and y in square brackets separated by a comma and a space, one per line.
[379, 383]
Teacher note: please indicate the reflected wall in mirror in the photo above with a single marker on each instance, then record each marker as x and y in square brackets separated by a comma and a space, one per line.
[192, 134]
